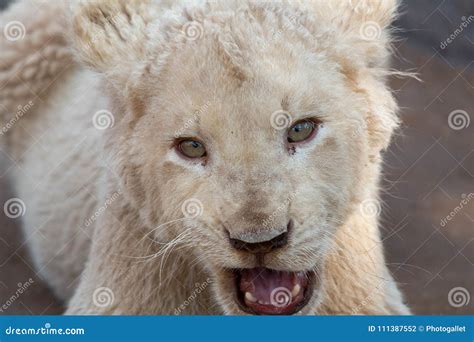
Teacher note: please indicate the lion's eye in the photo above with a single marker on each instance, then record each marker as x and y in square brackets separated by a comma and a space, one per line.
[192, 149]
[301, 131]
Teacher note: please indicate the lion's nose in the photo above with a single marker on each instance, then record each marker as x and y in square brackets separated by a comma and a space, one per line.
[260, 242]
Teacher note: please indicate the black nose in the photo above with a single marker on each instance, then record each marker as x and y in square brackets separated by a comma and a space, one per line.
[261, 246]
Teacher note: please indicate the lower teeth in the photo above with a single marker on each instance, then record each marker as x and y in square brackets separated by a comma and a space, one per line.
[250, 297]
[296, 290]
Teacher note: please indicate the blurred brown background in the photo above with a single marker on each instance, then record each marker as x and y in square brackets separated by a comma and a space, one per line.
[429, 172]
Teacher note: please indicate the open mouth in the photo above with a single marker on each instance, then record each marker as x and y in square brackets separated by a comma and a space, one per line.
[263, 291]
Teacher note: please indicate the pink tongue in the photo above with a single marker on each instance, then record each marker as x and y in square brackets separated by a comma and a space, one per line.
[264, 284]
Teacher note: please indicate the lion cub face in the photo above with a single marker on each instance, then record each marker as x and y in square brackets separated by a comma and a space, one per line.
[250, 149]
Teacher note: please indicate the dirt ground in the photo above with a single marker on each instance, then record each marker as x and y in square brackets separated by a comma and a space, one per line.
[429, 172]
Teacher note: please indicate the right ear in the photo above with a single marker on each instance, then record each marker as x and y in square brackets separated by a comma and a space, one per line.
[110, 36]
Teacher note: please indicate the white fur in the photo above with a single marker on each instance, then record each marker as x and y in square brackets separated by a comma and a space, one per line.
[251, 56]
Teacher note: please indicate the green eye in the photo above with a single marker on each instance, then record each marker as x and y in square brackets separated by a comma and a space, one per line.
[301, 131]
[192, 149]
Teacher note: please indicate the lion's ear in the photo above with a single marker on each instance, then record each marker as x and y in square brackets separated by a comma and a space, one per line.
[110, 35]
[362, 44]
[361, 26]
[381, 12]
[368, 23]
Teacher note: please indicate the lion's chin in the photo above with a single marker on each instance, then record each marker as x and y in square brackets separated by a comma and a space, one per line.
[265, 291]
